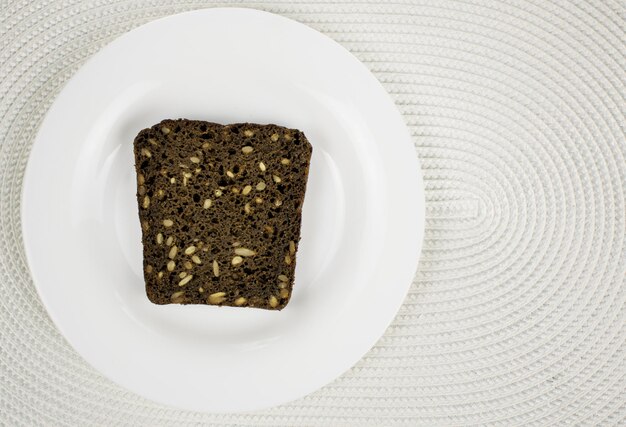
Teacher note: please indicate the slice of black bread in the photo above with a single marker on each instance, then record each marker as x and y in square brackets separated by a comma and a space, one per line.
[220, 211]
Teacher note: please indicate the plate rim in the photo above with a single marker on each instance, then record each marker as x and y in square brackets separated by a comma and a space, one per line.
[30, 174]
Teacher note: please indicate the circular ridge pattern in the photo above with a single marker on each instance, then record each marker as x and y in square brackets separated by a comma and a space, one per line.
[517, 313]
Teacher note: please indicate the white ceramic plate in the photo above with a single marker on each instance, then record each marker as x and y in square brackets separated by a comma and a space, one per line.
[362, 219]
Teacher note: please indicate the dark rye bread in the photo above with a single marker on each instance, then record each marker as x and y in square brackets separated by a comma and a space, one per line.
[220, 211]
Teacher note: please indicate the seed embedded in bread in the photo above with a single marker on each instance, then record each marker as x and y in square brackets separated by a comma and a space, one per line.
[217, 297]
[178, 297]
[173, 251]
[273, 301]
[186, 280]
[244, 252]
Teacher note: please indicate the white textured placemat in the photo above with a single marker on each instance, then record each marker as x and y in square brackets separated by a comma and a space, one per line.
[517, 314]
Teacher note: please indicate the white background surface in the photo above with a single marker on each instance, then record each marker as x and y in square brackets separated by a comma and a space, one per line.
[516, 315]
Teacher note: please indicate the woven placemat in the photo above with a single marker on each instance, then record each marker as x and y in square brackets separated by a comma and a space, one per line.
[517, 314]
